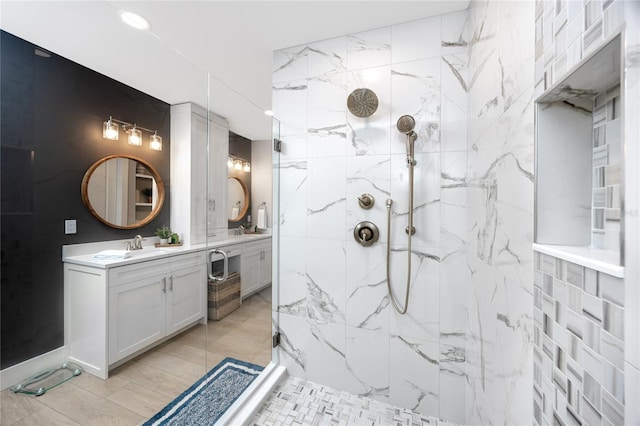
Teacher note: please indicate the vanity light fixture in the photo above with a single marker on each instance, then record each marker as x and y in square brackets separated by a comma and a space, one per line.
[238, 164]
[110, 130]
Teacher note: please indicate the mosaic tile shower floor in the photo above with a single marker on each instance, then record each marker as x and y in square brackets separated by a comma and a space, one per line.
[298, 402]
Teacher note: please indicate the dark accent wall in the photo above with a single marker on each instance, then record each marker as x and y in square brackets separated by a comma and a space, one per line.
[52, 111]
[240, 147]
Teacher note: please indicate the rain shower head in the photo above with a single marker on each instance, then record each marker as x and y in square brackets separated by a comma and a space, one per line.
[405, 124]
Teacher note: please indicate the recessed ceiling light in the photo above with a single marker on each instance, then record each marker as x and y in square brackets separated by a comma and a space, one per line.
[269, 112]
[40, 52]
[134, 20]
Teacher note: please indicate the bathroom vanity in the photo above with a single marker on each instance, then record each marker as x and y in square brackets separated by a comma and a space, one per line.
[116, 309]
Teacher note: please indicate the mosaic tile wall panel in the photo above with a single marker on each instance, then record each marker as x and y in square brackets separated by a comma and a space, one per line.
[579, 344]
[607, 161]
[567, 31]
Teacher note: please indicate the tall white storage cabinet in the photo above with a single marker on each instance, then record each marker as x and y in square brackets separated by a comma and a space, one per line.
[194, 214]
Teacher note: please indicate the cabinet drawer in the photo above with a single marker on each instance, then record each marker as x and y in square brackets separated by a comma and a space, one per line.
[138, 271]
[257, 245]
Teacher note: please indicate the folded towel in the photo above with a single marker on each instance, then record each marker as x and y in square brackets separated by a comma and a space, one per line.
[262, 218]
[112, 254]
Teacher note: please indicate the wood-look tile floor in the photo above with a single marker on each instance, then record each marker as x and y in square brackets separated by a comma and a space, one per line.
[141, 387]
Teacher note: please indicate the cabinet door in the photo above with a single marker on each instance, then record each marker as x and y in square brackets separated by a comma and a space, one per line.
[198, 178]
[218, 154]
[185, 297]
[136, 315]
[265, 267]
[250, 272]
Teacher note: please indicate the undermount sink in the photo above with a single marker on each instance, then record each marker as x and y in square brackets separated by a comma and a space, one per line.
[146, 252]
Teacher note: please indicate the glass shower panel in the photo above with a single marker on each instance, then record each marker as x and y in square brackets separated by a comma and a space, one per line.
[240, 210]
[275, 311]
[53, 163]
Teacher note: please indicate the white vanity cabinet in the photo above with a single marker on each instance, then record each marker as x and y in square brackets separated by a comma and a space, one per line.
[115, 313]
[256, 266]
[198, 174]
[147, 303]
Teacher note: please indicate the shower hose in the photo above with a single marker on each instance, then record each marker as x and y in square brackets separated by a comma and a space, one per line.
[397, 307]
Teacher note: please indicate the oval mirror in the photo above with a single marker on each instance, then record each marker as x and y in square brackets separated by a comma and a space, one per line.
[123, 191]
[238, 199]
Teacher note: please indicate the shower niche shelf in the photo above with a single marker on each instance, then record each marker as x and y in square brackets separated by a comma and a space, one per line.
[579, 163]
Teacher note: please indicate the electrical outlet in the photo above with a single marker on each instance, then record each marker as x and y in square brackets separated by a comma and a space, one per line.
[70, 226]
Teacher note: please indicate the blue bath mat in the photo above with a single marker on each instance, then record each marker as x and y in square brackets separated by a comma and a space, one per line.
[207, 399]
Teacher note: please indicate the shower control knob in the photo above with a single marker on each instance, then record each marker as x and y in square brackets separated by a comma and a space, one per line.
[366, 233]
[366, 201]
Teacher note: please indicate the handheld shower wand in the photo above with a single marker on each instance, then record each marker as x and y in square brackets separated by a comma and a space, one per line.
[405, 125]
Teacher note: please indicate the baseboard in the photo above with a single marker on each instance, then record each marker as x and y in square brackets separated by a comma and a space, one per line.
[245, 408]
[16, 373]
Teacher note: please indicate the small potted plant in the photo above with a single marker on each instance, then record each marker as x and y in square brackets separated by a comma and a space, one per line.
[164, 233]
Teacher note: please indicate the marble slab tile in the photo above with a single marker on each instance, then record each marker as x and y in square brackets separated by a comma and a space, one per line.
[327, 57]
[367, 361]
[326, 209]
[414, 374]
[417, 39]
[421, 78]
[327, 121]
[369, 49]
[455, 33]
[289, 64]
[367, 301]
[325, 275]
[326, 354]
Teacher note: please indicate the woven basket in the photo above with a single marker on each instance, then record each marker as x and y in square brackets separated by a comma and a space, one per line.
[223, 296]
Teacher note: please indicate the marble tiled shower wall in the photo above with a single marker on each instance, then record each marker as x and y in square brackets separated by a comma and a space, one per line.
[470, 81]
[499, 346]
[579, 344]
[566, 32]
[338, 327]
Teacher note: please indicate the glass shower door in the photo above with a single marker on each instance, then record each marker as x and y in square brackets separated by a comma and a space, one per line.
[275, 220]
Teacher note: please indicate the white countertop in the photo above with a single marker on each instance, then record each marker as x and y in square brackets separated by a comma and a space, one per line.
[82, 254]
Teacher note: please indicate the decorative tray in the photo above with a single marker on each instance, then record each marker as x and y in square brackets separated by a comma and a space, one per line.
[169, 245]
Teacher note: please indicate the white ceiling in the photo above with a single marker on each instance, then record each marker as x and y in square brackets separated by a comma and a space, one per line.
[233, 41]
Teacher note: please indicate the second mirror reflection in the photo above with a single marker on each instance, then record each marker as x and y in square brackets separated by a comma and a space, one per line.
[238, 199]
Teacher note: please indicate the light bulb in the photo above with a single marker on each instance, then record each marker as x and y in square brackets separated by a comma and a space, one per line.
[230, 162]
[110, 130]
[135, 136]
[237, 164]
[155, 143]
[247, 167]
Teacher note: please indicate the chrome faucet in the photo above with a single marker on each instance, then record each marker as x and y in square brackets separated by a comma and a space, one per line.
[135, 244]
